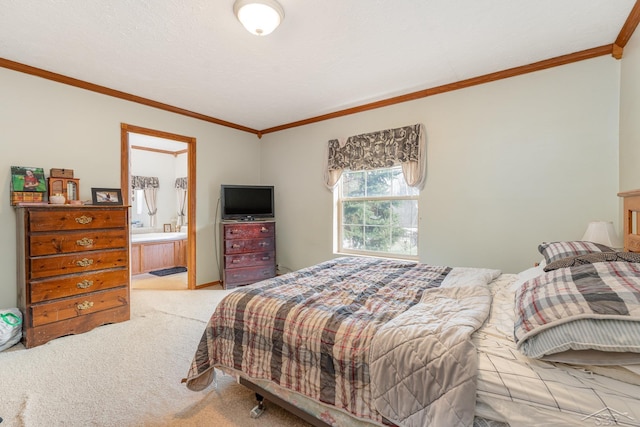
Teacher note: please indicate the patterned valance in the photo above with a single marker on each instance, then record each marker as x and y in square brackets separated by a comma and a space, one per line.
[386, 148]
[142, 182]
[181, 183]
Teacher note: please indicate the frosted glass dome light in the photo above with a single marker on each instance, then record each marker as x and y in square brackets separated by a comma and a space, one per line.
[259, 17]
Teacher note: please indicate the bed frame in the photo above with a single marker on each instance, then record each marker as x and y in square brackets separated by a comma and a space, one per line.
[262, 395]
[631, 218]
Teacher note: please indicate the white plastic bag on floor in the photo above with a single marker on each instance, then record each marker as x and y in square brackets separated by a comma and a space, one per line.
[10, 327]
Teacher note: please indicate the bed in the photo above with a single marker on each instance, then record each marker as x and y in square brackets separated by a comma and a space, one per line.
[362, 342]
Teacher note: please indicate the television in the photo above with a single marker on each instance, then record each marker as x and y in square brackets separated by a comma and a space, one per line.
[246, 202]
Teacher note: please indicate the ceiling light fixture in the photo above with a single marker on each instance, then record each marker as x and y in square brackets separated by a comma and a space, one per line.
[259, 17]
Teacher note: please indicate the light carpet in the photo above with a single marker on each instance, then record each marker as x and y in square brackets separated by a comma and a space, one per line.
[149, 281]
[128, 374]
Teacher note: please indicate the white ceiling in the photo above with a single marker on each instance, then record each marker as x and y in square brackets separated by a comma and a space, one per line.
[328, 55]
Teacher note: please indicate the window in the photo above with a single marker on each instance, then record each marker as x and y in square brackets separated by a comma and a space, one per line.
[139, 198]
[377, 214]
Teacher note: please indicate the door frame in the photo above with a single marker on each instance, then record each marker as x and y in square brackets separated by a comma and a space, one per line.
[125, 185]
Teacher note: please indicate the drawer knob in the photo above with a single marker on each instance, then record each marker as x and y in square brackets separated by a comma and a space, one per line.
[84, 262]
[235, 261]
[264, 230]
[235, 246]
[84, 284]
[266, 258]
[263, 244]
[84, 219]
[85, 305]
[85, 241]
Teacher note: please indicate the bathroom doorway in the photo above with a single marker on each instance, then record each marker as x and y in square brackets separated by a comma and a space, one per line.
[167, 238]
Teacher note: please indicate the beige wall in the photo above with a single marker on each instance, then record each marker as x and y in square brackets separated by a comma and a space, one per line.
[510, 164]
[629, 116]
[51, 125]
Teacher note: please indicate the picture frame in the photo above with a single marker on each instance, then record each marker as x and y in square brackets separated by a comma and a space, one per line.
[167, 228]
[106, 196]
[28, 185]
[28, 179]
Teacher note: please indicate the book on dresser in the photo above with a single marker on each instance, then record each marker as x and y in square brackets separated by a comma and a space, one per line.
[248, 252]
[73, 269]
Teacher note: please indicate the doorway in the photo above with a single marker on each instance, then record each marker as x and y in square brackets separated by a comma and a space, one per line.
[163, 143]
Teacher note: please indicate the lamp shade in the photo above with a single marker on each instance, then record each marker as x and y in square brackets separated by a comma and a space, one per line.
[602, 232]
[259, 17]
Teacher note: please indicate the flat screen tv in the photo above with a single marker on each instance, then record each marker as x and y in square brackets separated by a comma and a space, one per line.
[246, 202]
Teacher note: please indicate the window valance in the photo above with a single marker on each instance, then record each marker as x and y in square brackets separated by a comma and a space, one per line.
[181, 183]
[403, 146]
[142, 182]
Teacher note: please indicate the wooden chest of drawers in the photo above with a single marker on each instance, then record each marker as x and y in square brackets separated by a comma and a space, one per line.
[249, 252]
[73, 269]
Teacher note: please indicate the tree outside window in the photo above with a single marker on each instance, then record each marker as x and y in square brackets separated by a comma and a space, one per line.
[378, 214]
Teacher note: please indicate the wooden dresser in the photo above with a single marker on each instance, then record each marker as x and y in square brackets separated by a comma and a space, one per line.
[249, 252]
[73, 272]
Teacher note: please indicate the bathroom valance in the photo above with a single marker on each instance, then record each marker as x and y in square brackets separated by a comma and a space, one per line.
[181, 183]
[403, 146]
[142, 182]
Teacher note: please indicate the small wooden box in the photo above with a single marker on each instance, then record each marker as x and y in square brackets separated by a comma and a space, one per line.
[68, 187]
[61, 173]
[26, 197]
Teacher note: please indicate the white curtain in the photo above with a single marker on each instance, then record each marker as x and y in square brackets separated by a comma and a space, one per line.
[181, 197]
[383, 149]
[151, 199]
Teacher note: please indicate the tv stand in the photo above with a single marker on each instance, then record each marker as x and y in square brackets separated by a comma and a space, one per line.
[248, 252]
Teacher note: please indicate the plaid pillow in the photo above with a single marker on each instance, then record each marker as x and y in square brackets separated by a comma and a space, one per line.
[554, 251]
[593, 257]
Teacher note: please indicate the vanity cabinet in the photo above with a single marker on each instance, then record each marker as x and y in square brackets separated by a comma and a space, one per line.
[73, 269]
[150, 256]
[249, 252]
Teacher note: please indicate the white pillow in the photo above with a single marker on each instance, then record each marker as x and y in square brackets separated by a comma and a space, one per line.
[502, 308]
[527, 274]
